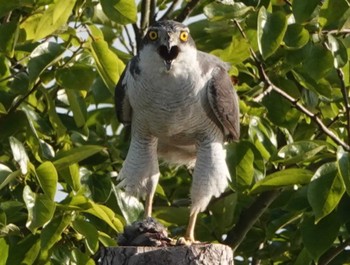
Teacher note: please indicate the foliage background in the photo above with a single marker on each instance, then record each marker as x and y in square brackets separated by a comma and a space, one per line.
[59, 62]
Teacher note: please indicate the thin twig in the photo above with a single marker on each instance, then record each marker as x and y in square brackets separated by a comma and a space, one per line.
[346, 101]
[288, 2]
[187, 10]
[152, 13]
[333, 253]
[336, 32]
[10, 77]
[145, 12]
[123, 42]
[248, 218]
[132, 44]
[295, 102]
[170, 10]
[14, 107]
[138, 37]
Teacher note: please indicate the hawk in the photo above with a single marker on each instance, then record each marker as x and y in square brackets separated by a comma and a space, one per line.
[182, 108]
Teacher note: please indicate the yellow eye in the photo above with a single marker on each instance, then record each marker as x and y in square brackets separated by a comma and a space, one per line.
[153, 35]
[184, 36]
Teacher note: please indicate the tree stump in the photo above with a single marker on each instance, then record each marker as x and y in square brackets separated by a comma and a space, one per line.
[203, 254]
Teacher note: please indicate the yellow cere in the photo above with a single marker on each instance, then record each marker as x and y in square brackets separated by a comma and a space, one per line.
[153, 35]
[184, 35]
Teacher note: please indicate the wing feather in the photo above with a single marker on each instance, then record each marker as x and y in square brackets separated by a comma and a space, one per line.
[121, 99]
[223, 100]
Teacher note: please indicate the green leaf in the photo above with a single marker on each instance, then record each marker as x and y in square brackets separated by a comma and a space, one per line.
[106, 240]
[78, 107]
[296, 36]
[280, 111]
[271, 30]
[338, 51]
[48, 178]
[318, 61]
[32, 253]
[120, 11]
[100, 186]
[41, 58]
[131, 208]
[5, 172]
[8, 37]
[66, 158]
[55, 121]
[223, 213]
[325, 190]
[71, 175]
[4, 251]
[108, 64]
[343, 163]
[79, 258]
[14, 211]
[303, 257]
[245, 164]
[24, 251]
[170, 216]
[2, 109]
[236, 52]
[303, 10]
[75, 202]
[107, 215]
[100, 91]
[317, 238]
[7, 6]
[78, 77]
[300, 152]
[334, 14]
[217, 11]
[262, 136]
[19, 154]
[89, 232]
[283, 178]
[40, 209]
[52, 233]
[41, 25]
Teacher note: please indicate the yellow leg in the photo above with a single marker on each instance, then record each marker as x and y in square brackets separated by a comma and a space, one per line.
[190, 228]
[148, 204]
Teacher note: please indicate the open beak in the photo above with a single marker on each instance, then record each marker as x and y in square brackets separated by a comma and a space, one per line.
[168, 53]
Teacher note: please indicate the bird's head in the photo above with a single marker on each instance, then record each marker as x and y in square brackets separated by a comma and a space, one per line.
[168, 42]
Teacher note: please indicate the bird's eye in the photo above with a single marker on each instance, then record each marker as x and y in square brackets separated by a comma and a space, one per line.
[153, 35]
[184, 36]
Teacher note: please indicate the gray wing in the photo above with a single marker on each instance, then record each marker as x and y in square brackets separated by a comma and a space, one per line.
[223, 98]
[121, 100]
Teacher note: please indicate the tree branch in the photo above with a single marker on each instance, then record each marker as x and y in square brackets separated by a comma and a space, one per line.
[248, 218]
[187, 10]
[152, 13]
[138, 37]
[337, 32]
[16, 104]
[295, 102]
[145, 13]
[332, 253]
[132, 44]
[170, 10]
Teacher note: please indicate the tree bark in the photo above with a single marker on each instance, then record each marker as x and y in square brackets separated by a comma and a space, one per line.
[203, 254]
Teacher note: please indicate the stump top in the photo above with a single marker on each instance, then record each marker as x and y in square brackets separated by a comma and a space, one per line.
[196, 254]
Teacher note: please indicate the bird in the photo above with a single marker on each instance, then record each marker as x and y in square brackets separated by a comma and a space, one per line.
[182, 108]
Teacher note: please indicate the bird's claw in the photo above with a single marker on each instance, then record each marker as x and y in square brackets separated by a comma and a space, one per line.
[186, 241]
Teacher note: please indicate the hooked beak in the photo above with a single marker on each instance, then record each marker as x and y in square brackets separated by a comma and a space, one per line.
[168, 53]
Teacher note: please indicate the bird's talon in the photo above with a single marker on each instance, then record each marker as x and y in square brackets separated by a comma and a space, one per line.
[186, 241]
